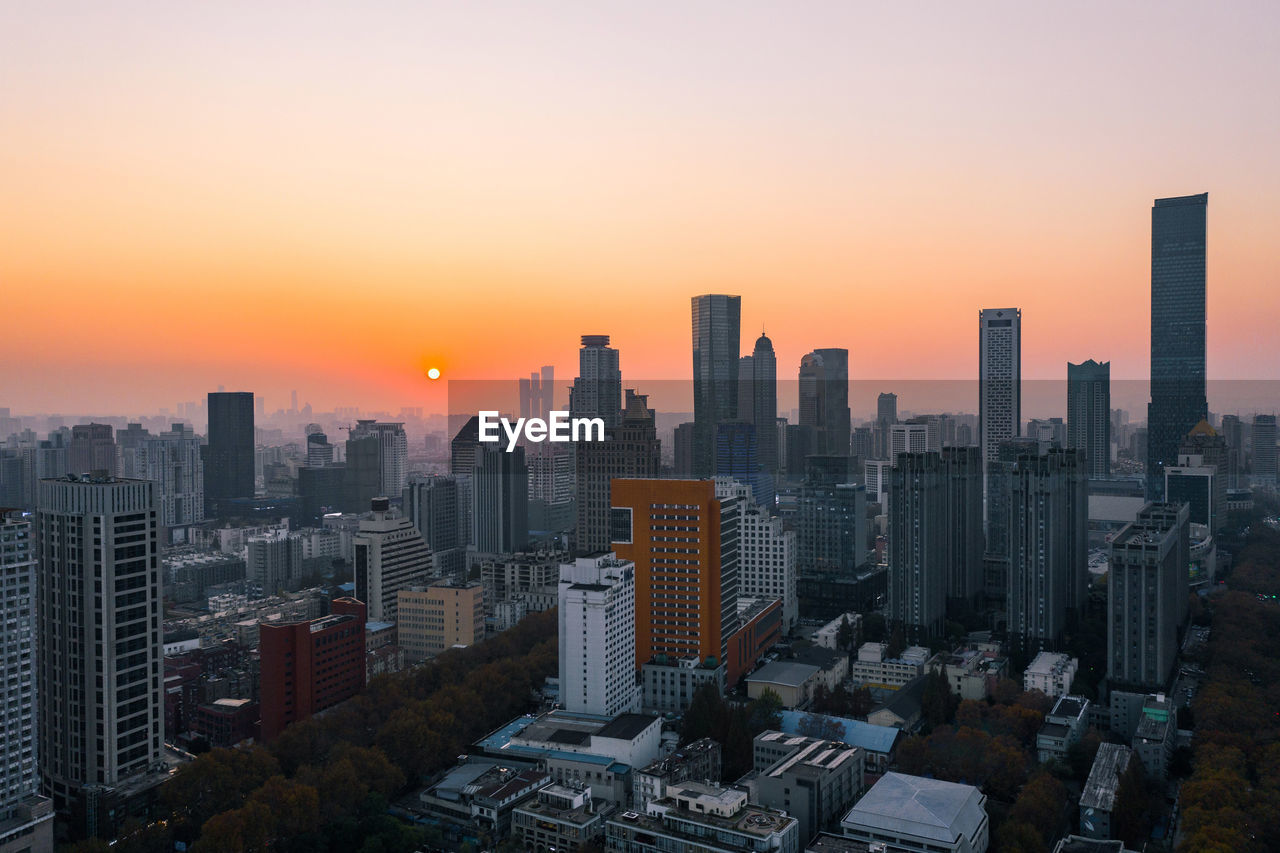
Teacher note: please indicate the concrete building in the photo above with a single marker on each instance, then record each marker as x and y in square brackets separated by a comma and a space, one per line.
[438, 617]
[393, 453]
[697, 817]
[668, 684]
[999, 382]
[172, 461]
[597, 389]
[876, 478]
[793, 682]
[873, 668]
[814, 780]
[630, 450]
[560, 817]
[1064, 725]
[1098, 798]
[588, 748]
[877, 743]
[500, 500]
[1156, 735]
[531, 578]
[26, 817]
[1089, 415]
[92, 448]
[699, 760]
[97, 541]
[911, 813]
[918, 539]
[1048, 545]
[763, 412]
[273, 561]
[909, 437]
[1146, 594]
[434, 505]
[1262, 459]
[597, 619]
[766, 554]
[1051, 673]
[482, 795]
[390, 555]
[831, 525]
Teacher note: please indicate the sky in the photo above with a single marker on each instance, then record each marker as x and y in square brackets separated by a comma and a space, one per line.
[335, 197]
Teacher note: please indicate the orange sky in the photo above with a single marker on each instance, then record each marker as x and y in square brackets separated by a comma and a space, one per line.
[333, 198]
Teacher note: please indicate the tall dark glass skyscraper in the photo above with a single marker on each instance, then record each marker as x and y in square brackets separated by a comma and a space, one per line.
[716, 322]
[228, 457]
[1178, 400]
[597, 390]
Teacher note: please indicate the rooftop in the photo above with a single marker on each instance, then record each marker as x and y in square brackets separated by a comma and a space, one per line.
[788, 673]
[1069, 706]
[1100, 788]
[926, 808]
[826, 842]
[1078, 844]
[879, 739]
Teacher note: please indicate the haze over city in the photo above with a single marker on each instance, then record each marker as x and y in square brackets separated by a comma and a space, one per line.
[278, 197]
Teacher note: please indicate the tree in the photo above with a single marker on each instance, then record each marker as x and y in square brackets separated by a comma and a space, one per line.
[844, 635]
[937, 702]
[765, 712]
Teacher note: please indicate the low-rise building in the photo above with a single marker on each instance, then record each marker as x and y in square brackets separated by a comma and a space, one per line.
[669, 683]
[482, 794]
[1156, 735]
[697, 817]
[225, 722]
[903, 708]
[1062, 726]
[972, 672]
[828, 635]
[912, 813]
[874, 668]
[586, 748]
[1098, 798]
[794, 682]
[432, 619]
[827, 842]
[877, 743]
[1080, 844]
[813, 779]
[561, 817]
[699, 760]
[1051, 673]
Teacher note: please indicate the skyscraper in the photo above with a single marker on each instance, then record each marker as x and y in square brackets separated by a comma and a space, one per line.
[1146, 589]
[597, 390]
[319, 450]
[917, 534]
[824, 398]
[764, 403]
[716, 322]
[362, 481]
[1263, 459]
[597, 613]
[999, 383]
[228, 455]
[962, 481]
[273, 561]
[92, 449]
[101, 716]
[886, 417]
[1178, 400]
[172, 461]
[737, 456]
[389, 555]
[1047, 533]
[433, 505]
[23, 813]
[1089, 415]
[831, 527]
[537, 393]
[393, 453]
[500, 500]
[630, 450]
[766, 554]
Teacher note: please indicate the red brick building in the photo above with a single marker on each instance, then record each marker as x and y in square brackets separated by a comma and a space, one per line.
[310, 666]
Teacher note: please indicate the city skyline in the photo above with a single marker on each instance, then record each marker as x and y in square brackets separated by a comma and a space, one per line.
[770, 156]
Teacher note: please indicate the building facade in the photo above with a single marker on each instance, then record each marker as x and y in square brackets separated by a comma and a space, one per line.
[1089, 415]
[597, 613]
[1178, 400]
[716, 326]
[389, 555]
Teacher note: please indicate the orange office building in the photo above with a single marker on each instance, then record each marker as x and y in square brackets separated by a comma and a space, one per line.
[684, 543]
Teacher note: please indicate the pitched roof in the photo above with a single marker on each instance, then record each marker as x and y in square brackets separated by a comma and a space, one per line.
[925, 808]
